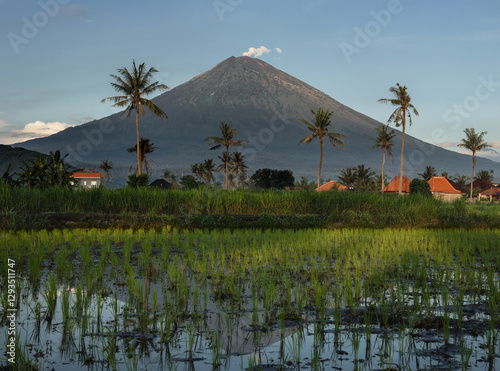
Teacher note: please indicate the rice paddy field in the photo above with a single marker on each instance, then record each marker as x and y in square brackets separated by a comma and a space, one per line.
[319, 299]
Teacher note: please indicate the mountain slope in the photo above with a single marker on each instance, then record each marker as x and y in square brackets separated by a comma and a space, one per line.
[263, 103]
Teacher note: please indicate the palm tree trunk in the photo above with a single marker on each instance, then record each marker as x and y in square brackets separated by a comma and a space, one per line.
[237, 179]
[227, 161]
[320, 158]
[402, 154]
[472, 175]
[139, 160]
[383, 164]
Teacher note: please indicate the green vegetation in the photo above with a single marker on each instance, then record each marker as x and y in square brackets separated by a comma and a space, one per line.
[332, 207]
[133, 86]
[404, 108]
[178, 287]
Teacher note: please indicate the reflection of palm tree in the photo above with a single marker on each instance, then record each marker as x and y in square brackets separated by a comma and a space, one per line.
[134, 85]
[239, 166]
[106, 167]
[384, 142]
[320, 129]
[145, 148]
[402, 101]
[473, 142]
[227, 140]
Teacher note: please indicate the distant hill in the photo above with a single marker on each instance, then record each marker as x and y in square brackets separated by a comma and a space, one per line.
[15, 156]
[263, 104]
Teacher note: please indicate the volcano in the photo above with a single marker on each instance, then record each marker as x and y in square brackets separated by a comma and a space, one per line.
[263, 103]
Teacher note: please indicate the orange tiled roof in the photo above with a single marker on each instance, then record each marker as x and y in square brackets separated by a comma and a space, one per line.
[393, 185]
[331, 185]
[440, 184]
[493, 191]
[86, 175]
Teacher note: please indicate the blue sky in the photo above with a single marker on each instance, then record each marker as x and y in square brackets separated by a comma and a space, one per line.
[56, 55]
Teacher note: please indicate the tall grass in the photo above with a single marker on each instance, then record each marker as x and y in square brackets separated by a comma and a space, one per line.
[347, 208]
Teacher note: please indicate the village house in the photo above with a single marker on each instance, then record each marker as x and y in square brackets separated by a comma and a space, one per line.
[86, 180]
[331, 185]
[393, 185]
[492, 194]
[442, 189]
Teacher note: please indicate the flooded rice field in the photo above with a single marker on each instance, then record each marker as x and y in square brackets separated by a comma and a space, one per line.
[346, 299]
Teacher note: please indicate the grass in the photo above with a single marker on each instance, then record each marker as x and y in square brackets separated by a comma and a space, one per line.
[195, 208]
[394, 279]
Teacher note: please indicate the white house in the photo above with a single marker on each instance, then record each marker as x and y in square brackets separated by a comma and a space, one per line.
[86, 180]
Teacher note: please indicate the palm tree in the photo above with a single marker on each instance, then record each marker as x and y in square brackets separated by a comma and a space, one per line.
[363, 176]
[134, 86]
[145, 148]
[239, 166]
[429, 172]
[227, 165]
[347, 177]
[485, 175]
[169, 176]
[197, 170]
[384, 142]
[473, 142]
[208, 170]
[404, 108]
[460, 180]
[106, 166]
[227, 140]
[320, 129]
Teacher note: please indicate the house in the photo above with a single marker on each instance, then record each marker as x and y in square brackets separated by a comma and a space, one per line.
[160, 184]
[492, 194]
[442, 189]
[331, 185]
[393, 185]
[86, 180]
[478, 185]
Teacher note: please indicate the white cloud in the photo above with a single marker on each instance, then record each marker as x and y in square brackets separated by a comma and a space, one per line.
[256, 52]
[279, 50]
[38, 129]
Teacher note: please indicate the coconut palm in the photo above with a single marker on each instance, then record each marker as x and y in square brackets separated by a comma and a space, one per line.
[145, 148]
[106, 166]
[170, 177]
[208, 167]
[134, 86]
[363, 176]
[473, 142]
[485, 175]
[197, 170]
[320, 128]
[384, 142]
[429, 172]
[239, 166]
[347, 177]
[227, 140]
[226, 164]
[404, 108]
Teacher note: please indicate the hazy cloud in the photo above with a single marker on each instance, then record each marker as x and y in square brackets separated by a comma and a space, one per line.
[73, 10]
[279, 50]
[38, 129]
[256, 52]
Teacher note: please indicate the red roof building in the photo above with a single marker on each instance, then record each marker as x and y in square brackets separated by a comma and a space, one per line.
[493, 194]
[331, 185]
[87, 180]
[393, 185]
[441, 188]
